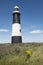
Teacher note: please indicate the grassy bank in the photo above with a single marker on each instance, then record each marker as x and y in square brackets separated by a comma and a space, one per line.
[14, 54]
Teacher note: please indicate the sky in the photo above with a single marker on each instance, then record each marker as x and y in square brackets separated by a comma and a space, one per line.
[31, 20]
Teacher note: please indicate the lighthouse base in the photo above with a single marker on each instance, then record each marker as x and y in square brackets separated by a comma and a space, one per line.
[16, 39]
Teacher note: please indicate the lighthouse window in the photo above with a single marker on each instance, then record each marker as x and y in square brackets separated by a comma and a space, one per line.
[20, 30]
[16, 9]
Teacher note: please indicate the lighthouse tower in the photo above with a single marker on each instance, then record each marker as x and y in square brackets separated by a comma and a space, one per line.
[16, 27]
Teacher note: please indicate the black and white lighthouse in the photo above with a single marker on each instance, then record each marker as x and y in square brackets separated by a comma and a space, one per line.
[16, 27]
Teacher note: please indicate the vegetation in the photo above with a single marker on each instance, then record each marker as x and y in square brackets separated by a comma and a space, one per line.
[14, 54]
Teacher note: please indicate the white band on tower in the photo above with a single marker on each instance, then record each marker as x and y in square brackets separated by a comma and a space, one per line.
[16, 29]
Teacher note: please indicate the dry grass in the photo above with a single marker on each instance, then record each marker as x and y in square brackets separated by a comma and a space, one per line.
[14, 54]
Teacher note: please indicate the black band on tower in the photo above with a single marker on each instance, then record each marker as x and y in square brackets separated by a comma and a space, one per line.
[16, 18]
[16, 39]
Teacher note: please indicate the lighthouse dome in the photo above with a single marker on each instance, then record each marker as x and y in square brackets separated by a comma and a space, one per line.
[16, 7]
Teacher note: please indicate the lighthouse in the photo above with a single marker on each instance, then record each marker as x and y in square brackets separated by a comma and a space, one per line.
[16, 26]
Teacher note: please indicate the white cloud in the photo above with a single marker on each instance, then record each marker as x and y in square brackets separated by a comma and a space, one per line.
[36, 31]
[4, 30]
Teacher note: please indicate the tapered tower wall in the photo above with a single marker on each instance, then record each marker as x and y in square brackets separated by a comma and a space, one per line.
[16, 26]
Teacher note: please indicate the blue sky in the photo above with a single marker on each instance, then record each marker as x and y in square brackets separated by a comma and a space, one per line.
[31, 20]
